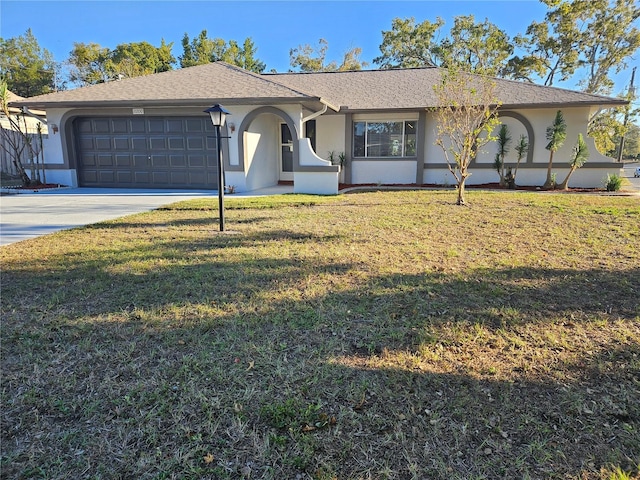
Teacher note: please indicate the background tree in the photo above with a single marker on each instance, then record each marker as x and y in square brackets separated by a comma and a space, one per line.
[88, 64]
[141, 58]
[551, 50]
[248, 59]
[578, 159]
[599, 36]
[632, 142]
[91, 63]
[465, 118]
[202, 50]
[611, 37]
[410, 45]
[556, 135]
[306, 58]
[607, 128]
[27, 68]
[479, 47]
[198, 51]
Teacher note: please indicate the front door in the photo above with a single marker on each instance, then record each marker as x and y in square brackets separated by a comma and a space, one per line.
[286, 153]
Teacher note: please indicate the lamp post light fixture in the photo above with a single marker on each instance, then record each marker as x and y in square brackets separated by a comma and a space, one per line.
[218, 115]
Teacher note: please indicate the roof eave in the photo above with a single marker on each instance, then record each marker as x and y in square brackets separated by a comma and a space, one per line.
[193, 102]
[607, 103]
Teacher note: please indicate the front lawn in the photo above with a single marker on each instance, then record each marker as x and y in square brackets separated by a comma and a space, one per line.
[364, 336]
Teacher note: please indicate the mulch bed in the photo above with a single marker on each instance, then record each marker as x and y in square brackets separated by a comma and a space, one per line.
[487, 186]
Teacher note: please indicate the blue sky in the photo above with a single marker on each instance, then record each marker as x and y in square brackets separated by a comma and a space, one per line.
[275, 26]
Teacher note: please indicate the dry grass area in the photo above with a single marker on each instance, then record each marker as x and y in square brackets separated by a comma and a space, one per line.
[381, 335]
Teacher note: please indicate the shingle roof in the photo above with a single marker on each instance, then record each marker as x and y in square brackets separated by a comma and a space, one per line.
[13, 97]
[413, 88]
[203, 84]
[358, 90]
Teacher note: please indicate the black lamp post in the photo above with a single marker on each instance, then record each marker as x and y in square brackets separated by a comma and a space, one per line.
[218, 115]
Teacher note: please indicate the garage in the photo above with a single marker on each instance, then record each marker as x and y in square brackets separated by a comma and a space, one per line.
[146, 152]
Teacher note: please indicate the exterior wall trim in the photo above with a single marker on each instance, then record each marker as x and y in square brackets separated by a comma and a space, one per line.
[421, 147]
[348, 146]
[527, 125]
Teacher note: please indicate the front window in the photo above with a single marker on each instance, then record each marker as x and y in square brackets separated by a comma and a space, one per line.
[384, 139]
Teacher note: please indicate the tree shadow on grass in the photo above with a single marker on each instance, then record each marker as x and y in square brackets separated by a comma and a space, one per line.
[291, 403]
[191, 358]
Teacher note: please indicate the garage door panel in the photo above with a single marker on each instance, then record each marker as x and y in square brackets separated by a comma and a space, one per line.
[176, 143]
[103, 143]
[141, 178]
[196, 161]
[209, 181]
[180, 177]
[195, 143]
[156, 125]
[84, 126]
[105, 161]
[106, 176]
[160, 177]
[141, 161]
[139, 143]
[137, 125]
[159, 161]
[101, 125]
[125, 177]
[158, 143]
[146, 152]
[123, 161]
[179, 161]
[121, 143]
[211, 143]
[195, 125]
[90, 176]
[120, 125]
[87, 144]
[88, 160]
[175, 126]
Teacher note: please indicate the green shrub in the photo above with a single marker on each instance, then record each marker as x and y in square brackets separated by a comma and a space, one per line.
[613, 182]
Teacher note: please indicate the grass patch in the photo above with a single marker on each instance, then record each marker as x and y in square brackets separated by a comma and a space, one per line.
[371, 335]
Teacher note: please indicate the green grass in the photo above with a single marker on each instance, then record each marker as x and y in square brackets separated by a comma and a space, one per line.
[373, 335]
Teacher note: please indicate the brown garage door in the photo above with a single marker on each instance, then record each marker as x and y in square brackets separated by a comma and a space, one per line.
[146, 152]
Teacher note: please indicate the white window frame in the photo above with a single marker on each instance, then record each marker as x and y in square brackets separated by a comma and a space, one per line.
[368, 121]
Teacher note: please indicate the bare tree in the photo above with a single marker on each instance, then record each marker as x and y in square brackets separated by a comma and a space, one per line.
[17, 142]
[465, 118]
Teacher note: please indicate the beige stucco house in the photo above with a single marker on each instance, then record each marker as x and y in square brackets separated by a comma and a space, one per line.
[151, 132]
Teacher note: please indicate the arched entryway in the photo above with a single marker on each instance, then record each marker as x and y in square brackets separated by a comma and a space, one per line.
[268, 147]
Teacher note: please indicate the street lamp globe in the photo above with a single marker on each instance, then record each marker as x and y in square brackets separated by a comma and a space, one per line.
[218, 115]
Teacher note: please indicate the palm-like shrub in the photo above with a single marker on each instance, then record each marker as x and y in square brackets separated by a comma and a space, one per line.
[556, 135]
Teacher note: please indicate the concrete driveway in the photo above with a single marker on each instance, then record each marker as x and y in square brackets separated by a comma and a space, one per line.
[24, 216]
[30, 215]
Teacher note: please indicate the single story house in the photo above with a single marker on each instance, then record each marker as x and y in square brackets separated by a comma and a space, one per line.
[152, 132]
